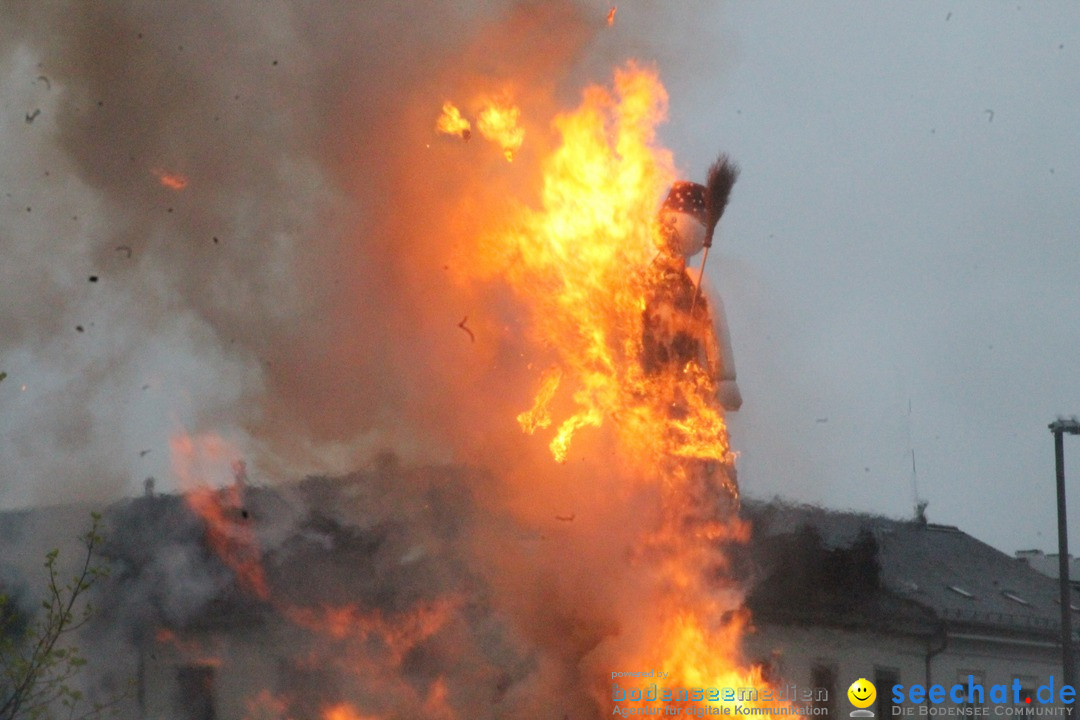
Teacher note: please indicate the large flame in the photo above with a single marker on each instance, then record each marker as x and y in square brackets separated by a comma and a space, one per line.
[584, 265]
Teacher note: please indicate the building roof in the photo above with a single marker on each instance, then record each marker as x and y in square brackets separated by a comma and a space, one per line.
[955, 579]
[804, 565]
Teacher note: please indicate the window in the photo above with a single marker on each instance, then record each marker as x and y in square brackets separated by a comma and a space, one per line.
[823, 677]
[884, 679]
[195, 692]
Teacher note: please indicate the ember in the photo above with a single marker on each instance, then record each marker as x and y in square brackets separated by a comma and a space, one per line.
[498, 122]
[171, 180]
[451, 122]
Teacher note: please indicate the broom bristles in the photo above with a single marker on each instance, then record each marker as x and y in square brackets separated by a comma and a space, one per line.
[722, 176]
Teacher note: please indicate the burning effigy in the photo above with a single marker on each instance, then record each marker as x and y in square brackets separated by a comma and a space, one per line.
[638, 361]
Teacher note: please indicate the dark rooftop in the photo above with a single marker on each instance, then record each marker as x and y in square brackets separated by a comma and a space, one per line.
[912, 576]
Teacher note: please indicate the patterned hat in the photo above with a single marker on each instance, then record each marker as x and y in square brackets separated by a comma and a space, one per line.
[682, 218]
[686, 197]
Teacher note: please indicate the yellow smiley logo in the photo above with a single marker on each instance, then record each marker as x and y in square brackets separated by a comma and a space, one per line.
[862, 693]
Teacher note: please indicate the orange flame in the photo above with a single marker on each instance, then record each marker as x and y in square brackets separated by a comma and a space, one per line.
[171, 180]
[191, 650]
[373, 645]
[434, 707]
[228, 529]
[394, 635]
[451, 122]
[611, 15]
[586, 267]
[582, 264]
[538, 417]
[499, 123]
[266, 706]
[344, 711]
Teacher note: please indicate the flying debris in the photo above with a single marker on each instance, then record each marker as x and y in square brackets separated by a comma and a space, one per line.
[499, 123]
[30, 116]
[566, 518]
[93, 278]
[124, 249]
[2, 376]
[42, 78]
[466, 329]
[452, 123]
[144, 453]
[991, 114]
[171, 180]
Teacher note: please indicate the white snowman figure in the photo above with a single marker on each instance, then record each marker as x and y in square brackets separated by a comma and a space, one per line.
[679, 326]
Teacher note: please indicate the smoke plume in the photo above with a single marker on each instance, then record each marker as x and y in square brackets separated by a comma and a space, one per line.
[240, 220]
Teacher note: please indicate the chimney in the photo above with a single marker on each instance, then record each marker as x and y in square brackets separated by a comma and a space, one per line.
[920, 511]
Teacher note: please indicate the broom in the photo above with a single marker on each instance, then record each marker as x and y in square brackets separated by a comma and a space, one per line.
[722, 176]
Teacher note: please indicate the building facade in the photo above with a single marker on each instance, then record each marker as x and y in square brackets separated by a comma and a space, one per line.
[843, 596]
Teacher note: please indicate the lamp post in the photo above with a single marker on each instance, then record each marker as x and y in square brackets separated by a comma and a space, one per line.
[1068, 669]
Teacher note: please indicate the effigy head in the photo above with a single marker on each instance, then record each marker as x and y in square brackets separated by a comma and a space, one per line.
[682, 219]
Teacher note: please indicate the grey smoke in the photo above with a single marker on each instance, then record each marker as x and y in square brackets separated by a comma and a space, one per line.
[276, 298]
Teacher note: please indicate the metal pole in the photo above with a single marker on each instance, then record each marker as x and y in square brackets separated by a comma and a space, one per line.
[701, 275]
[1068, 668]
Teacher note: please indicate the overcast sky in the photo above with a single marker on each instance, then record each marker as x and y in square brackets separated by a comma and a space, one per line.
[899, 261]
